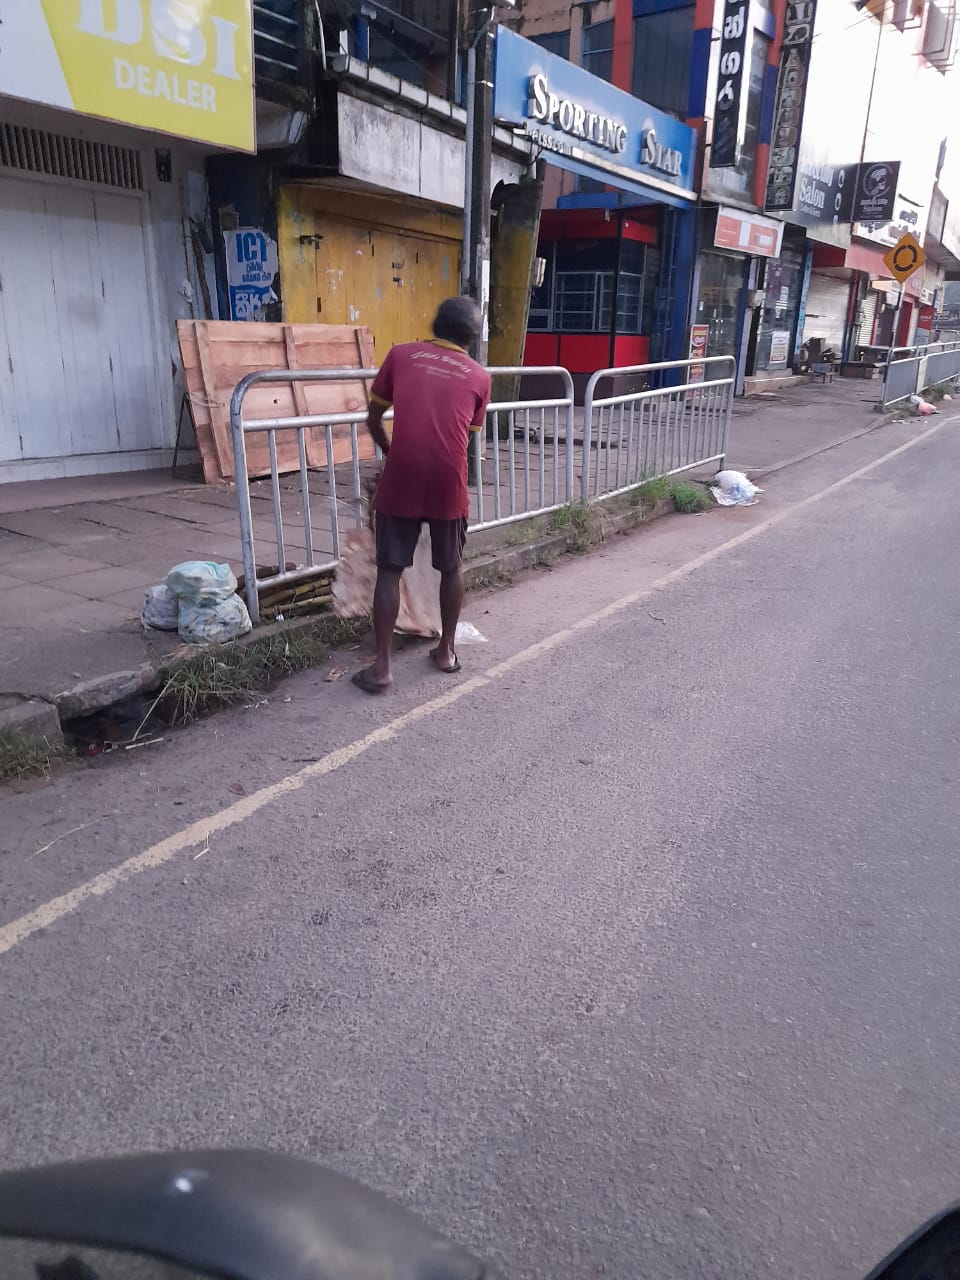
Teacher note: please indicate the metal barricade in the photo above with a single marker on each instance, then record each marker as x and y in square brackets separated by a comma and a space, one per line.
[901, 374]
[637, 435]
[526, 468]
[943, 363]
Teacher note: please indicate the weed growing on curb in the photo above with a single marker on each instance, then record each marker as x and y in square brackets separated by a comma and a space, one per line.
[20, 756]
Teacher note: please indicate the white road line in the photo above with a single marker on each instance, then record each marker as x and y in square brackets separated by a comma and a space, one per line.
[197, 832]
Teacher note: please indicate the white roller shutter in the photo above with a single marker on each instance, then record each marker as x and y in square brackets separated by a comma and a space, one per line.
[826, 311]
[79, 376]
[866, 315]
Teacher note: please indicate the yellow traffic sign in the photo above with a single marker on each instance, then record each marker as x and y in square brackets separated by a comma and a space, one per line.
[905, 257]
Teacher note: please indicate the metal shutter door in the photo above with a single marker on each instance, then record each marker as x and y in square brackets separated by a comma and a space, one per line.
[826, 312]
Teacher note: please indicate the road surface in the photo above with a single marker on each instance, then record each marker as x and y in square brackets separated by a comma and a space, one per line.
[633, 951]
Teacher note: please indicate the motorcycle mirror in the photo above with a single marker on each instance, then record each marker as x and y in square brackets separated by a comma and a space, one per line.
[26, 1259]
[194, 1215]
[932, 1253]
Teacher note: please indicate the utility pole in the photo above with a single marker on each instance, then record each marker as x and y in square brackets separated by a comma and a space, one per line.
[475, 261]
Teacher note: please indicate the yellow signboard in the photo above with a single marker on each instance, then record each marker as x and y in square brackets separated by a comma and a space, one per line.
[905, 257]
[180, 67]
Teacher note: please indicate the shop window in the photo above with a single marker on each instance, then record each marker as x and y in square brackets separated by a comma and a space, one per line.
[557, 42]
[662, 51]
[580, 281]
[721, 279]
[597, 57]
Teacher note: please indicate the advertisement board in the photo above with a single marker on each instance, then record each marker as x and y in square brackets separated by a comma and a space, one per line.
[725, 150]
[795, 53]
[582, 123]
[178, 67]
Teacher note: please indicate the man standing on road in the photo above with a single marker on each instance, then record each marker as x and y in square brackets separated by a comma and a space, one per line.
[439, 395]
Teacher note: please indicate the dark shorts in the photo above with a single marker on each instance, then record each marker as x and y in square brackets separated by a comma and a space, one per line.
[397, 541]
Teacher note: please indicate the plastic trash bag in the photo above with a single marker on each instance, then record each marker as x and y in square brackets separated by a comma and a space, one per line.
[161, 609]
[467, 633]
[733, 489]
[923, 407]
[214, 623]
[201, 582]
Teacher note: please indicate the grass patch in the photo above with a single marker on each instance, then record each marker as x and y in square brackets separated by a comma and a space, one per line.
[687, 496]
[934, 394]
[651, 492]
[229, 675]
[21, 757]
[690, 497]
[579, 521]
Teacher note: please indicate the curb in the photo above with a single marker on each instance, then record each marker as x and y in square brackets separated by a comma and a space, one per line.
[44, 720]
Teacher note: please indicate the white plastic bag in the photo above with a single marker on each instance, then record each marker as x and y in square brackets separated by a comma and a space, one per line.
[201, 582]
[214, 623]
[733, 489]
[923, 407]
[161, 609]
[467, 633]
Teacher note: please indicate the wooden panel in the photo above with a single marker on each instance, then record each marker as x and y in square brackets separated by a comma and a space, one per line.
[218, 354]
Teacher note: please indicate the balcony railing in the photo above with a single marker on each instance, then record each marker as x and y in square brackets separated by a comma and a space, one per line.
[278, 40]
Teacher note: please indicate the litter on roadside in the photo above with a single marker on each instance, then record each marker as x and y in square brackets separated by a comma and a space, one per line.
[198, 598]
[923, 407]
[733, 489]
[467, 633]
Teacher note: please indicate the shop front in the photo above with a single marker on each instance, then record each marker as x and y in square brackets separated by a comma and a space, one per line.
[617, 254]
[735, 244]
[103, 142]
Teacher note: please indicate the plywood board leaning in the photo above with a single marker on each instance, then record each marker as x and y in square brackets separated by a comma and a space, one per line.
[218, 354]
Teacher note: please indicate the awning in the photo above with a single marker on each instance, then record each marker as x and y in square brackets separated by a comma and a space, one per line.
[865, 258]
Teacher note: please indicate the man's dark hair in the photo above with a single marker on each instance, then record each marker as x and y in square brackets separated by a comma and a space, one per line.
[458, 320]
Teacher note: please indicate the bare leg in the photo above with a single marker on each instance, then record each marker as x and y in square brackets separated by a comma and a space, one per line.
[451, 602]
[386, 607]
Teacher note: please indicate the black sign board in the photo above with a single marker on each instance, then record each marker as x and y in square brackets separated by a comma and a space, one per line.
[876, 196]
[825, 192]
[724, 153]
[791, 96]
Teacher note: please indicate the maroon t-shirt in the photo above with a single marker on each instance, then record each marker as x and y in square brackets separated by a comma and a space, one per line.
[439, 395]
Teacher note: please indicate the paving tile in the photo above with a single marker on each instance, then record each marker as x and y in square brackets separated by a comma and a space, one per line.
[24, 605]
[13, 545]
[112, 515]
[102, 582]
[174, 507]
[48, 566]
[130, 599]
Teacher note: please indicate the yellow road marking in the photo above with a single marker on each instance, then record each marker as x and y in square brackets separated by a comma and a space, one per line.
[200, 831]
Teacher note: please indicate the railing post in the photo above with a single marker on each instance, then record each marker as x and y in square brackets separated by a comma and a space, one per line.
[587, 438]
[243, 498]
[728, 413]
[571, 432]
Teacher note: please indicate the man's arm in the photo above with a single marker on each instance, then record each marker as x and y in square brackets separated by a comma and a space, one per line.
[381, 398]
[375, 425]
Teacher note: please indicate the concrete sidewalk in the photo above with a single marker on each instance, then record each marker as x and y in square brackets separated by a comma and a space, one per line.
[76, 555]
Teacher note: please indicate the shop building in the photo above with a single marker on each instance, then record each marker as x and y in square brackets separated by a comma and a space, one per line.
[618, 223]
[97, 259]
[362, 210]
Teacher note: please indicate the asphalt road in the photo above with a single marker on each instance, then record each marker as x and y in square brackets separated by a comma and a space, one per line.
[631, 952]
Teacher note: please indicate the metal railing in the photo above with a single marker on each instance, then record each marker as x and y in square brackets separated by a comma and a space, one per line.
[638, 434]
[525, 468]
[913, 370]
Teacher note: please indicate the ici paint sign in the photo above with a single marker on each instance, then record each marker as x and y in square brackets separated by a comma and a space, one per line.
[179, 67]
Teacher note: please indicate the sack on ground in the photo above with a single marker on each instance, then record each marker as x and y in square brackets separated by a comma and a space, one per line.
[201, 582]
[357, 576]
[161, 609]
[733, 489]
[214, 623]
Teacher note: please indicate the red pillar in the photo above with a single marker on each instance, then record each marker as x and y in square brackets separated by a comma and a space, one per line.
[623, 45]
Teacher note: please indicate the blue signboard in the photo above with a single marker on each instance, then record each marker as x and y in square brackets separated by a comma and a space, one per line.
[583, 124]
